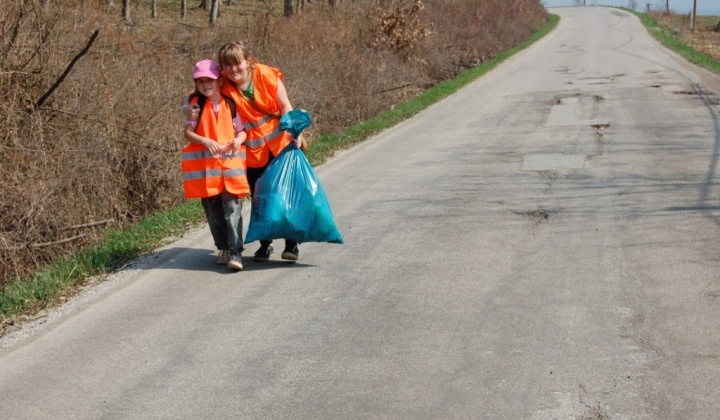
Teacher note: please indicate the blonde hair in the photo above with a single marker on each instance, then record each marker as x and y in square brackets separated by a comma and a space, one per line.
[233, 53]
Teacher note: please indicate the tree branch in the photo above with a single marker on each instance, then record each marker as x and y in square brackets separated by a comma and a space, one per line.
[127, 130]
[84, 225]
[41, 245]
[14, 36]
[67, 70]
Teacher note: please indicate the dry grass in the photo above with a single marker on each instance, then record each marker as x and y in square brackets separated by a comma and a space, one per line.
[105, 145]
[704, 38]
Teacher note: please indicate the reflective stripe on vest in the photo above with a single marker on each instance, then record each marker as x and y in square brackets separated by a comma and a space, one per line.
[201, 154]
[260, 140]
[240, 154]
[208, 173]
[250, 125]
[234, 172]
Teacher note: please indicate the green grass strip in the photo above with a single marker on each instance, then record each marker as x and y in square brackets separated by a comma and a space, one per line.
[120, 246]
[671, 40]
[115, 249]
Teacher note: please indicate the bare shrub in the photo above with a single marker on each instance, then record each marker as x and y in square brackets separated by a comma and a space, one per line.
[337, 76]
[98, 149]
[399, 28]
[104, 147]
[475, 31]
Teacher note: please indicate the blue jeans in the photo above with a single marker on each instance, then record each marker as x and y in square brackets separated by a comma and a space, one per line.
[224, 215]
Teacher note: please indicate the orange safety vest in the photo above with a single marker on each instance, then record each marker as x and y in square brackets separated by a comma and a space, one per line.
[205, 174]
[261, 116]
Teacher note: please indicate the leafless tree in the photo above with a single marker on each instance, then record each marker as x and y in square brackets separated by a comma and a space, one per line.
[184, 9]
[632, 4]
[214, 11]
[288, 11]
[126, 10]
[153, 14]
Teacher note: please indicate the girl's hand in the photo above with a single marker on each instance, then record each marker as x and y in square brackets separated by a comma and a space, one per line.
[191, 111]
[213, 146]
[238, 141]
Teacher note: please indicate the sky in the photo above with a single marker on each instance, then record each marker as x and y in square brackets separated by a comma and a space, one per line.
[704, 7]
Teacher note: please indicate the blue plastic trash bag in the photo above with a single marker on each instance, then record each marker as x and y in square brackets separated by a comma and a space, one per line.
[295, 121]
[289, 202]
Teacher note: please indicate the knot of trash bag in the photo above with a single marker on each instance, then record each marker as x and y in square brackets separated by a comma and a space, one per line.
[295, 121]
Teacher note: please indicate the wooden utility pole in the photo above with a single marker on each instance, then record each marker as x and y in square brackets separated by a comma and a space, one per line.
[694, 16]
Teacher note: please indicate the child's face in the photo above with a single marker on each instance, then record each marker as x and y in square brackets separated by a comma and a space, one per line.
[237, 73]
[207, 86]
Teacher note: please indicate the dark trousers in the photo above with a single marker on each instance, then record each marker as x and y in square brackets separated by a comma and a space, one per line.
[224, 216]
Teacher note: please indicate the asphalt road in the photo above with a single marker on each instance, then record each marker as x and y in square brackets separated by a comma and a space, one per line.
[541, 245]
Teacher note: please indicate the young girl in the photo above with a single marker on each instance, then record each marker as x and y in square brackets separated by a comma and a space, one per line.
[213, 163]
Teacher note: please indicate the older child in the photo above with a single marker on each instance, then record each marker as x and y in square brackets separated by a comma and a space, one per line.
[214, 163]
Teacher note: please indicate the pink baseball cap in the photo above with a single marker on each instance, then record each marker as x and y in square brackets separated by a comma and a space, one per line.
[206, 68]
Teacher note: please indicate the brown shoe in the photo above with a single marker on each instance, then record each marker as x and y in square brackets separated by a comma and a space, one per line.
[223, 257]
[235, 262]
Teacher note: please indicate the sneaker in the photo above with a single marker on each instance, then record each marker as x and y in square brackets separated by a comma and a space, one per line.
[290, 253]
[235, 262]
[223, 257]
[263, 253]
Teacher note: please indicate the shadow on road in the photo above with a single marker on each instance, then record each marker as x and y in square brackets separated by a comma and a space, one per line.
[198, 259]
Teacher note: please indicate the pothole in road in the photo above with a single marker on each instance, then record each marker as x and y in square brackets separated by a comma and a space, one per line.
[574, 110]
[538, 216]
[564, 98]
[707, 97]
[693, 92]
